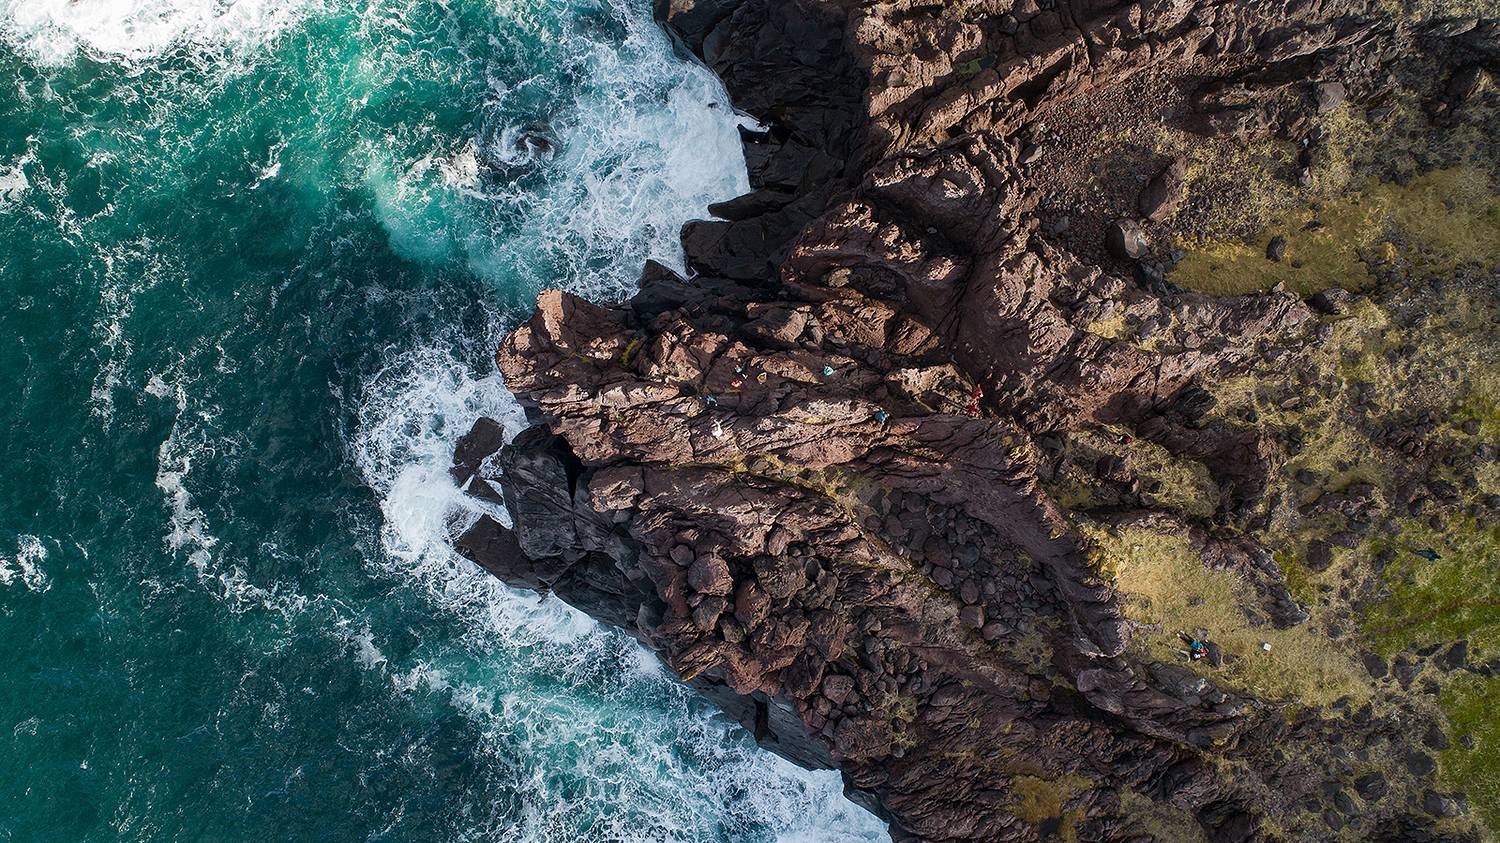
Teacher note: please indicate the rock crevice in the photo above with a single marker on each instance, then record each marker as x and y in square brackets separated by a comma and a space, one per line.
[809, 476]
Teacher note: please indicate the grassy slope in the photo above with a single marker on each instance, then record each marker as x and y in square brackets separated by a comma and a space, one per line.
[1432, 354]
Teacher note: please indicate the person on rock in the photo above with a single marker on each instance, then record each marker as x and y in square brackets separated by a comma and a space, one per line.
[1197, 647]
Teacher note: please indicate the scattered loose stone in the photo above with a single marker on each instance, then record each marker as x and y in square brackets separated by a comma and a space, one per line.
[1127, 239]
[1276, 249]
[1371, 786]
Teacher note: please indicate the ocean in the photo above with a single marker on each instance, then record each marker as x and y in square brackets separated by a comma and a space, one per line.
[255, 257]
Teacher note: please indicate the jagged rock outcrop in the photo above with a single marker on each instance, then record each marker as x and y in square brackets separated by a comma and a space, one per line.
[808, 476]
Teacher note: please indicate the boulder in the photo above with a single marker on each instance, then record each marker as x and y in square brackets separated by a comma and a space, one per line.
[1441, 804]
[1371, 787]
[709, 574]
[1329, 95]
[1276, 249]
[1163, 194]
[1126, 239]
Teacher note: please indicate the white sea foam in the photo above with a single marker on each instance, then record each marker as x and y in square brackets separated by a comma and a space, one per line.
[272, 168]
[54, 32]
[633, 755]
[188, 535]
[639, 757]
[643, 143]
[368, 654]
[25, 566]
[187, 530]
[603, 742]
[13, 181]
[413, 412]
[128, 269]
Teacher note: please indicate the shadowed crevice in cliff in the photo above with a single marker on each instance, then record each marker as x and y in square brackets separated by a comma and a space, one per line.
[808, 477]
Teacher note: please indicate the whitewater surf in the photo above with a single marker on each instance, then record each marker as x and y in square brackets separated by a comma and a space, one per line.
[254, 260]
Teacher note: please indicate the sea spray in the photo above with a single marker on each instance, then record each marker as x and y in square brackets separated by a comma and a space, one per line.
[255, 259]
[55, 32]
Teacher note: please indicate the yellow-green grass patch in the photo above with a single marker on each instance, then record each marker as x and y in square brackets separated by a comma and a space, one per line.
[1434, 601]
[1166, 586]
[1436, 222]
[1472, 704]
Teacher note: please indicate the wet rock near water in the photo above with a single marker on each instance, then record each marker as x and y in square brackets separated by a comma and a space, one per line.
[811, 476]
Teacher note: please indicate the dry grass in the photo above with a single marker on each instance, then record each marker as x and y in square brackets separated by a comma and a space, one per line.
[1425, 9]
[1436, 223]
[1180, 485]
[1160, 820]
[1447, 212]
[1166, 587]
[1111, 328]
[1186, 485]
[1449, 367]
[1231, 185]
[1038, 800]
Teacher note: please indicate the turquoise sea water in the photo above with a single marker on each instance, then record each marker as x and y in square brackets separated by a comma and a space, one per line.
[254, 258]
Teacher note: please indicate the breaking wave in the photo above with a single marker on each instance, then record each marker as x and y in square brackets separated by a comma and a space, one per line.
[24, 567]
[54, 32]
[654, 763]
[577, 192]
[649, 142]
[574, 146]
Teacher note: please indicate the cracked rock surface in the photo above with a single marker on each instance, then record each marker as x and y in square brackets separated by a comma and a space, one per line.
[808, 477]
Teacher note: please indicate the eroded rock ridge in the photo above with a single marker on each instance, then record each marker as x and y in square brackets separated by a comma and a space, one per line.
[809, 476]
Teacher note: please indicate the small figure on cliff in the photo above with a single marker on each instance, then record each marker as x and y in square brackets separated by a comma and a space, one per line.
[737, 383]
[1197, 647]
[882, 416]
[827, 371]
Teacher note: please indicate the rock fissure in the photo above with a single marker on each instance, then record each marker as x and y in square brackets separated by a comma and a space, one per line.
[810, 476]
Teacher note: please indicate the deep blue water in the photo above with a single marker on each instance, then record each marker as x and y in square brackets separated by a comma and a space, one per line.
[254, 259]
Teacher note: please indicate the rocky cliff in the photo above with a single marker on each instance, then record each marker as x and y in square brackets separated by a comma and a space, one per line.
[811, 477]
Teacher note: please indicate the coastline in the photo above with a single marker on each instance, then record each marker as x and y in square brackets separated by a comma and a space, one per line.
[811, 476]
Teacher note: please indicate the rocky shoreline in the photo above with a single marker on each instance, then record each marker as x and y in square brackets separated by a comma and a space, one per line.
[812, 476]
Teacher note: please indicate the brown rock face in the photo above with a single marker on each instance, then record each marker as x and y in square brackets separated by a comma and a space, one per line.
[808, 477]
[1163, 194]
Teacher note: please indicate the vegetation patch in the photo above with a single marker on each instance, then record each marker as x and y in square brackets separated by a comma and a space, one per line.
[1436, 222]
[1112, 327]
[1041, 802]
[1160, 820]
[1168, 590]
[1472, 763]
[1433, 207]
[1181, 485]
[1456, 596]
